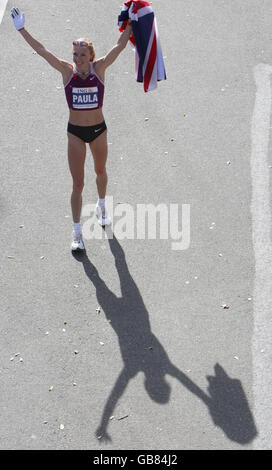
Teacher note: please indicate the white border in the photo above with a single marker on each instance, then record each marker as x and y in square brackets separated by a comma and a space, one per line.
[261, 236]
[3, 4]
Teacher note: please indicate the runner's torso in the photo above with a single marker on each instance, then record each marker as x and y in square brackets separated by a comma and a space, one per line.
[85, 98]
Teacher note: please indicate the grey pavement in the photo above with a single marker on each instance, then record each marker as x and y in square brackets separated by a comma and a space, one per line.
[129, 346]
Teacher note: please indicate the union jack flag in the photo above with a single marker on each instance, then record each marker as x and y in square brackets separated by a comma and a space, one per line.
[145, 38]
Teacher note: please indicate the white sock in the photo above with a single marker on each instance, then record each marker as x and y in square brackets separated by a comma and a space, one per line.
[77, 228]
[101, 203]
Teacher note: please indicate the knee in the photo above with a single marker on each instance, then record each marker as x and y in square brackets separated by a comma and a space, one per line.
[78, 186]
[100, 171]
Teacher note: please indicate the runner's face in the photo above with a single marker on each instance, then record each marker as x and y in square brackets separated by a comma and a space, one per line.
[81, 57]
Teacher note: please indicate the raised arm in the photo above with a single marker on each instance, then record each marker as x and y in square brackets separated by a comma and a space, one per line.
[112, 55]
[58, 64]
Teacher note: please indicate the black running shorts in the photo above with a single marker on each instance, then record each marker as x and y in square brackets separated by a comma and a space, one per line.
[87, 133]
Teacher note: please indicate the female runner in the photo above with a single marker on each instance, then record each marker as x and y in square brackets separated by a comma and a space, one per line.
[84, 88]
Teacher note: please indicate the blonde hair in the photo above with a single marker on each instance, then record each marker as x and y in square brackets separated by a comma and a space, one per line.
[90, 46]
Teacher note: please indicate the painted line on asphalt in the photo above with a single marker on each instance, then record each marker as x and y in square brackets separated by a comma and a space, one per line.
[3, 4]
[261, 235]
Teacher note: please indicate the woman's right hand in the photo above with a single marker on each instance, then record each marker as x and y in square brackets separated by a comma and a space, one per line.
[18, 18]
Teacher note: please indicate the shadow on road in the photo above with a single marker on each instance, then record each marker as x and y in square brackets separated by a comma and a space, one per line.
[142, 352]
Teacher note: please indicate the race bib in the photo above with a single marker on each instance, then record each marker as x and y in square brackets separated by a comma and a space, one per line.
[85, 98]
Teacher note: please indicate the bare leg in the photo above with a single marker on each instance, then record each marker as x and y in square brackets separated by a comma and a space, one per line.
[76, 159]
[99, 149]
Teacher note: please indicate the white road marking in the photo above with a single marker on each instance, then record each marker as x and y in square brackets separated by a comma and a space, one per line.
[261, 226]
[3, 4]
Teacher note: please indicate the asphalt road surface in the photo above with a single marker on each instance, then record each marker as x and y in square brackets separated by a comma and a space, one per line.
[137, 345]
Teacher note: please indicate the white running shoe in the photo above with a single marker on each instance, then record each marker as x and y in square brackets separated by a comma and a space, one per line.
[77, 242]
[103, 217]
